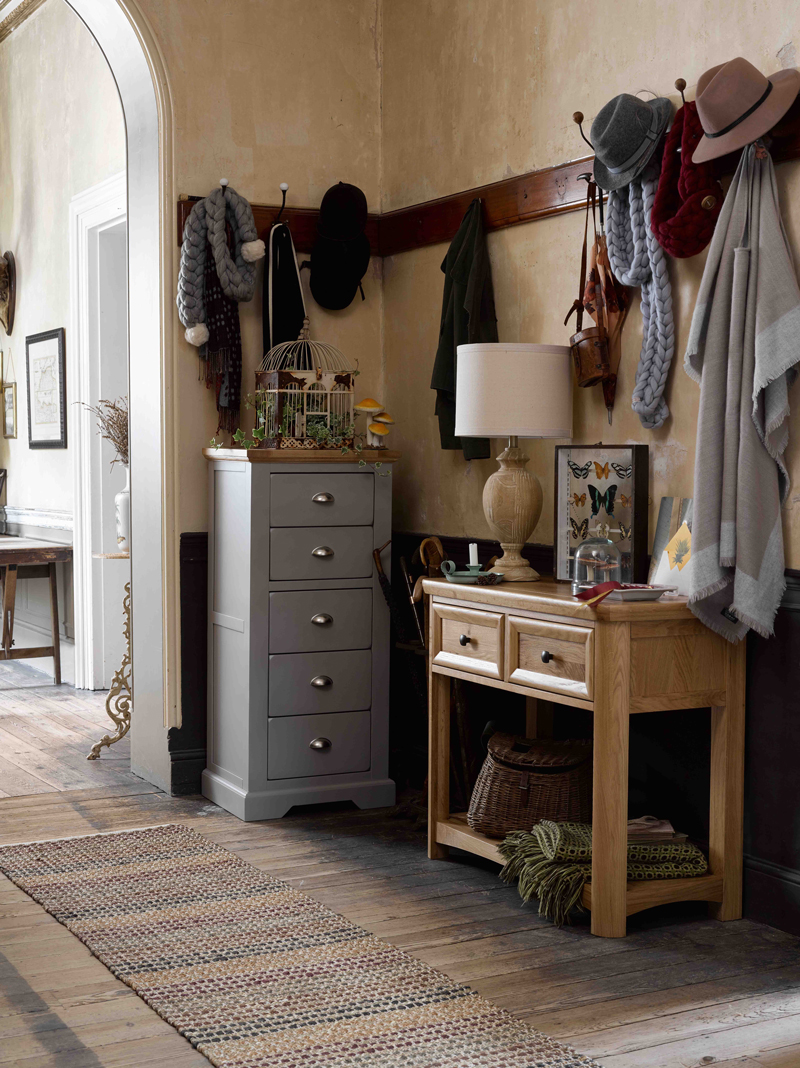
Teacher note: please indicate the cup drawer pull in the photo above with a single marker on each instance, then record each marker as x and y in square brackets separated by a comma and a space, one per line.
[323, 498]
[321, 682]
[320, 743]
[322, 550]
[321, 619]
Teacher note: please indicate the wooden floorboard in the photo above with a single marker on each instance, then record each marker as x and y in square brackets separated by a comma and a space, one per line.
[680, 991]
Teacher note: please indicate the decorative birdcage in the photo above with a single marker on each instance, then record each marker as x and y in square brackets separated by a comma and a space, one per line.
[304, 396]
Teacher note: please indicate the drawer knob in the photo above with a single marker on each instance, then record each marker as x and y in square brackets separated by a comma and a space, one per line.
[321, 619]
[322, 550]
[464, 639]
[323, 498]
[547, 657]
[320, 743]
[321, 682]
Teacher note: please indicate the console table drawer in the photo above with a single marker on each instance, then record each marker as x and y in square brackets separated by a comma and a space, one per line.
[310, 500]
[550, 656]
[318, 745]
[467, 639]
[301, 684]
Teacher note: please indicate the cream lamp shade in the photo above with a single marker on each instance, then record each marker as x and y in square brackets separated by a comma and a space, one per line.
[519, 391]
[513, 390]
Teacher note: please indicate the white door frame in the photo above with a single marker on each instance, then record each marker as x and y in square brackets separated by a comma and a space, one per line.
[137, 65]
[90, 212]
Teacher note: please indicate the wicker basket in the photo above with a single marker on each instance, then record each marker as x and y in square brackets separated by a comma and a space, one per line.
[523, 781]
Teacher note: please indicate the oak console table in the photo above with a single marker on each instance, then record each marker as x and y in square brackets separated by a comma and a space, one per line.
[616, 660]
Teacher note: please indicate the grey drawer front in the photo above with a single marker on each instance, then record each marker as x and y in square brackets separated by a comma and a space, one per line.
[292, 501]
[291, 692]
[349, 625]
[290, 756]
[291, 552]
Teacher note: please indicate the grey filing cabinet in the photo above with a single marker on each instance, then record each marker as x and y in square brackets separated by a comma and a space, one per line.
[298, 680]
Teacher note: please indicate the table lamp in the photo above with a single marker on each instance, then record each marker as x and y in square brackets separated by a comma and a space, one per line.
[515, 391]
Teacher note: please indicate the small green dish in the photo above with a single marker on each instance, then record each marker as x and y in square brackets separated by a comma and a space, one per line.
[473, 577]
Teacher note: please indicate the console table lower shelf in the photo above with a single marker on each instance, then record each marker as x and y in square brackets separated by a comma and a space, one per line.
[614, 660]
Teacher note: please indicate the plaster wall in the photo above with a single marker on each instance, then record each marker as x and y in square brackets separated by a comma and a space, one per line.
[61, 131]
[267, 92]
[477, 90]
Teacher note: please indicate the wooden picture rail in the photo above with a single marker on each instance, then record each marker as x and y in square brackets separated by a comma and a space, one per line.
[522, 199]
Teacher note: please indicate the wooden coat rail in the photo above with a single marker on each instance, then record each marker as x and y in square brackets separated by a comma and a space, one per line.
[535, 195]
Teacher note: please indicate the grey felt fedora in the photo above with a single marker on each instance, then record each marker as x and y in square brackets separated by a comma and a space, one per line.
[624, 136]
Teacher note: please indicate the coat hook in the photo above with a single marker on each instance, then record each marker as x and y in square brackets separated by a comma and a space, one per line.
[578, 118]
[680, 85]
[284, 187]
[223, 182]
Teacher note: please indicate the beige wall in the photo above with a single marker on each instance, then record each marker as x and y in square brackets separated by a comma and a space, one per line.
[266, 92]
[477, 90]
[61, 131]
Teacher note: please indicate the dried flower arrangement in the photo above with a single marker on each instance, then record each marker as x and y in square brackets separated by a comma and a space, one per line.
[112, 425]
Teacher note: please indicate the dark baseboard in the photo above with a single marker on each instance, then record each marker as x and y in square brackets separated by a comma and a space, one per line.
[772, 894]
[187, 743]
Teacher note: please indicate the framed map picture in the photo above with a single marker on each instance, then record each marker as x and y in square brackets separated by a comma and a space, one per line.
[47, 390]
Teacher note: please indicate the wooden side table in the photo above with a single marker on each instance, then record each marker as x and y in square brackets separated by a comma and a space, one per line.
[616, 660]
[119, 702]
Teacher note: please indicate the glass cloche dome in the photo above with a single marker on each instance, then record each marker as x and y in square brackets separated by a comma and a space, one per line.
[596, 560]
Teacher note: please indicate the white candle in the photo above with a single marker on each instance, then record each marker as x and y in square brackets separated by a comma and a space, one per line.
[473, 552]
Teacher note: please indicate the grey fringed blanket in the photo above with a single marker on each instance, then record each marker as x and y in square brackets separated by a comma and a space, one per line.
[743, 348]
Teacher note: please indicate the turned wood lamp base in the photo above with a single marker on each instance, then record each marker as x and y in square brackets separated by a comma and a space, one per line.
[512, 503]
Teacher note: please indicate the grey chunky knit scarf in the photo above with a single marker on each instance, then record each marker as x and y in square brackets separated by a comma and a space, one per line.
[206, 228]
[638, 260]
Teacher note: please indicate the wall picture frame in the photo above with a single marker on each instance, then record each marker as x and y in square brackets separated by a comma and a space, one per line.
[10, 410]
[602, 486]
[45, 361]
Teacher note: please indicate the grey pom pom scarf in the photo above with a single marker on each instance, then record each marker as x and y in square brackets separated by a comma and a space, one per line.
[743, 350]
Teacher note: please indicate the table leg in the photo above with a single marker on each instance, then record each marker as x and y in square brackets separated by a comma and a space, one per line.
[727, 788]
[610, 792]
[118, 702]
[9, 597]
[538, 718]
[54, 624]
[438, 761]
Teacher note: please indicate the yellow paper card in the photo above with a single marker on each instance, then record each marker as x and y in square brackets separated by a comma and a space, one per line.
[679, 549]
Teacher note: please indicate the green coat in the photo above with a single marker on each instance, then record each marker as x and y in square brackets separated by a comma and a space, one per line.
[468, 316]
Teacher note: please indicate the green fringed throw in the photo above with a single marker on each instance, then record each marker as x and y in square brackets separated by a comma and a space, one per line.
[554, 860]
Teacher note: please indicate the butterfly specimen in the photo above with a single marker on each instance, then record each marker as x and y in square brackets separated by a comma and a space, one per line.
[623, 472]
[600, 470]
[579, 472]
[580, 531]
[624, 532]
[625, 501]
[625, 560]
[603, 500]
[579, 500]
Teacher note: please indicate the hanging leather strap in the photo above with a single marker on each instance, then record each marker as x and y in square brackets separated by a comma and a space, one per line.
[578, 303]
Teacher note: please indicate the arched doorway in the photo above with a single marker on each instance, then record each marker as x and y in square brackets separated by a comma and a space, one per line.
[124, 36]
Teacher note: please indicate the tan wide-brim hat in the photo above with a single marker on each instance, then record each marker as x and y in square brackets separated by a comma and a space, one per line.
[737, 104]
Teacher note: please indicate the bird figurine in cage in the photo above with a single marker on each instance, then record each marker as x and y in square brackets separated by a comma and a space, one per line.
[304, 396]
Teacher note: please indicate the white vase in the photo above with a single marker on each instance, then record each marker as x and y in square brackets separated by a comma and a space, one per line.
[122, 505]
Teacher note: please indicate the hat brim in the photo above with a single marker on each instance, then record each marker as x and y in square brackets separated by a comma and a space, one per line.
[785, 87]
[608, 181]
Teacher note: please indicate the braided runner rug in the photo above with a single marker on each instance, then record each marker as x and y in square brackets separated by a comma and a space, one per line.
[256, 974]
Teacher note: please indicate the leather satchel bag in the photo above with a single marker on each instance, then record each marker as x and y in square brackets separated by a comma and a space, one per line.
[589, 348]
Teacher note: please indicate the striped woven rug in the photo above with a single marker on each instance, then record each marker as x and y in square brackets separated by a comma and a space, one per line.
[256, 974]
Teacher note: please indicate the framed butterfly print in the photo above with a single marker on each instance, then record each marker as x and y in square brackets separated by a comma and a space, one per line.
[602, 491]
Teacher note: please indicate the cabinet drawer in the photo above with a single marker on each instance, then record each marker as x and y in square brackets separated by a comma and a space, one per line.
[342, 745]
[467, 639]
[550, 656]
[306, 500]
[344, 552]
[344, 682]
[304, 621]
